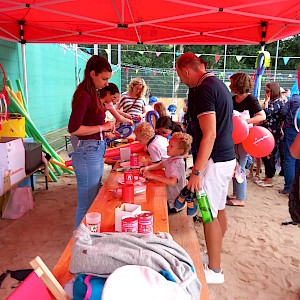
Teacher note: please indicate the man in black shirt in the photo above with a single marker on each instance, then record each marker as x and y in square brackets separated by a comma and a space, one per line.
[211, 107]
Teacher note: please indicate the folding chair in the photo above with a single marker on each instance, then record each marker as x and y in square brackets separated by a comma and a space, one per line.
[34, 286]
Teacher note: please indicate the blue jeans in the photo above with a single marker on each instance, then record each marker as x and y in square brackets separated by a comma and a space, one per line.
[88, 163]
[291, 164]
[239, 189]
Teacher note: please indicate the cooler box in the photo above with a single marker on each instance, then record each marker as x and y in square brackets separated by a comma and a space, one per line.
[12, 157]
[13, 128]
[33, 156]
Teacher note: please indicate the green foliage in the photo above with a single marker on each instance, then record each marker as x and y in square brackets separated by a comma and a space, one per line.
[289, 47]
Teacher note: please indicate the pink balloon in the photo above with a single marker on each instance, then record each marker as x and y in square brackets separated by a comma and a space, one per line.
[240, 129]
[260, 142]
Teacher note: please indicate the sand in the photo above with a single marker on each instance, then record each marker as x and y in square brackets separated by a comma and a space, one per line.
[260, 257]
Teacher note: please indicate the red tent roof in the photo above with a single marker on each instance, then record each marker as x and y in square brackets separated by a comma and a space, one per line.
[149, 22]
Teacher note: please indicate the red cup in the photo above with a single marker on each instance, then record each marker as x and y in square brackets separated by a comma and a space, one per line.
[127, 192]
[130, 177]
[134, 159]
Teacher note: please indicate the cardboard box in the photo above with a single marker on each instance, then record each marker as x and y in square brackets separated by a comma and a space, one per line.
[12, 157]
[126, 209]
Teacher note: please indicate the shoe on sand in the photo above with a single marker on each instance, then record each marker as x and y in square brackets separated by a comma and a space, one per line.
[263, 183]
[285, 192]
[213, 277]
[256, 178]
[230, 203]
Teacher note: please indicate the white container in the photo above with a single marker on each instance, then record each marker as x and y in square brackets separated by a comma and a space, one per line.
[12, 158]
[126, 209]
[93, 221]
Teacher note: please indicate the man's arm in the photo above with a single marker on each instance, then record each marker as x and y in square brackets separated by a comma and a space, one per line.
[208, 126]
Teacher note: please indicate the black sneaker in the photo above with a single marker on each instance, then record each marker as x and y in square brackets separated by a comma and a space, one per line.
[285, 192]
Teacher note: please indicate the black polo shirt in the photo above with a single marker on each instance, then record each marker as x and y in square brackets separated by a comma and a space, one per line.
[212, 95]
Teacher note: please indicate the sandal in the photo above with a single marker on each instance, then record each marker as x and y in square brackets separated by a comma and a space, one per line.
[256, 178]
[230, 203]
[249, 176]
[262, 183]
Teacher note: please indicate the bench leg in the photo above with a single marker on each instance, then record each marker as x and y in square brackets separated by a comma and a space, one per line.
[31, 182]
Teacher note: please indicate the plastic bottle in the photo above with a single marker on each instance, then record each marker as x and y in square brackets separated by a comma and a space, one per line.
[204, 206]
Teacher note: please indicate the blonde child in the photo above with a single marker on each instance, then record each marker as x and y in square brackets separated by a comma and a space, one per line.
[174, 178]
[156, 144]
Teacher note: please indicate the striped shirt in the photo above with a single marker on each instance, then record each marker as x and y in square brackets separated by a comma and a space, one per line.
[126, 102]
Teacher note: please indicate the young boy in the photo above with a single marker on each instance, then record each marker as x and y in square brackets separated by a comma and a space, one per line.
[156, 144]
[175, 177]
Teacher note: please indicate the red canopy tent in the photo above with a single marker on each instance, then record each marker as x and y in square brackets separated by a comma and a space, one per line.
[149, 22]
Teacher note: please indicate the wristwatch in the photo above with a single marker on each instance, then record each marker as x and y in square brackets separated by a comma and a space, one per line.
[197, 173]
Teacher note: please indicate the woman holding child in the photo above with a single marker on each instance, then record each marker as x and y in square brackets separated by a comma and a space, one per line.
[241, 84]
[87, 121]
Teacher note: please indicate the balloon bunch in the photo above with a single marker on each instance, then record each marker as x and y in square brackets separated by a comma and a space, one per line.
[257, 141]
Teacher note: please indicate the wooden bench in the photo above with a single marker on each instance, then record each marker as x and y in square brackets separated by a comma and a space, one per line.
[182, 229]
[67, 137]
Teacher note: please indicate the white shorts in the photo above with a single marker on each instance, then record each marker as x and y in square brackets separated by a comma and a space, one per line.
[215, 181]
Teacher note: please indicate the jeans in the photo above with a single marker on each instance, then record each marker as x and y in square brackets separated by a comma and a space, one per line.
[291, 164]
[88, 163]
[239, 189]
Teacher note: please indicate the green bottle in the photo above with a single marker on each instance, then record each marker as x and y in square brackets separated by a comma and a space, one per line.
[204, 206]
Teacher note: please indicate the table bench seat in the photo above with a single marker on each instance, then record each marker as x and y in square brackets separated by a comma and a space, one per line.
[182, 229]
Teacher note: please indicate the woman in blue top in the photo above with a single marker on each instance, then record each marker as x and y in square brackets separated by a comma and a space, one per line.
[272, 107]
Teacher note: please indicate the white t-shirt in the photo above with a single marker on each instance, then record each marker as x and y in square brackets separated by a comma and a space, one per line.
[158, 149]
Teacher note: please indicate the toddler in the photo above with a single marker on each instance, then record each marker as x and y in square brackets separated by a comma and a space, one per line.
[156, 144]
[175, 177]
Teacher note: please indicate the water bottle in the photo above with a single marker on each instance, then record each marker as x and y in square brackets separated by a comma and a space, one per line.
[204, 206]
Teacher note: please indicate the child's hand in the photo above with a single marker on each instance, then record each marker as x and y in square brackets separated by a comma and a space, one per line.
[130, 122]
[143, 170]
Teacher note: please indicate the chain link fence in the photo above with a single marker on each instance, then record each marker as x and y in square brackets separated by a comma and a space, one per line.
[164, 83]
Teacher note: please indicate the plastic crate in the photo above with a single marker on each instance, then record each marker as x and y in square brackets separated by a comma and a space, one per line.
[33, 156]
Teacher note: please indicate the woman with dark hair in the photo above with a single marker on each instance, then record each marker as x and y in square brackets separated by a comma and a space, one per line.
[87, 121]
[241, 84]
[165, 126]
[272, 107]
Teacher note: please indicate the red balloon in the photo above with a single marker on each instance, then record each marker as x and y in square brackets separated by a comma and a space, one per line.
[260, 142]
[240, 129]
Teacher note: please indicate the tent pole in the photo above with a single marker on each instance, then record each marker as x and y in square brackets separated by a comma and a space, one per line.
[119, 56]
[224, 63]
[174, 71]
[25, 74]
[277, 47]
[95, 49]
[76, 59]
[109, 53]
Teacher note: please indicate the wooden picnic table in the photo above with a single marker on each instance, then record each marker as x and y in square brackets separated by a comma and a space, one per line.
[153, 200]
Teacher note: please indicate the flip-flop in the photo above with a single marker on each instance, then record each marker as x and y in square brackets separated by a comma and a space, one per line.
[262, 183]
[230, 203]
[289, 223]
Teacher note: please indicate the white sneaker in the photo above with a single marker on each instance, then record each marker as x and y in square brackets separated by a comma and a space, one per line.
[204, 257]
[213, 277]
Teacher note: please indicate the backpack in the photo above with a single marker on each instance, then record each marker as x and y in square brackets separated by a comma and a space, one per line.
[296, 119]
[294, 199]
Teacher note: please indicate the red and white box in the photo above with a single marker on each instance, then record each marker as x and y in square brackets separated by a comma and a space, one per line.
[12, 158]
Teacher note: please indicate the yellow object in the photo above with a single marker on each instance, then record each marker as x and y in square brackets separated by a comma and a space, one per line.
[13, 128]
[19, 96]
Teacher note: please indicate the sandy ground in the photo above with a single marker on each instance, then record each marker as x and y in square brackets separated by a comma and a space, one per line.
[260, 257]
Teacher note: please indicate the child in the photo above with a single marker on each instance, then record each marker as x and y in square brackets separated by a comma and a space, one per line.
[156, 144]
[109, 96]
[175, 177]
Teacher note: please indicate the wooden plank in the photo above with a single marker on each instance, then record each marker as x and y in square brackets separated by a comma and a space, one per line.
[183, 232]
[153, 200]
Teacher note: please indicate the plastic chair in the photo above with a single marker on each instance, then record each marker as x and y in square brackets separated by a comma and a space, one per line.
[34, 286]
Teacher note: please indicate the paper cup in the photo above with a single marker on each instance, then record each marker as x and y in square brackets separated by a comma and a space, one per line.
[93, 221]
